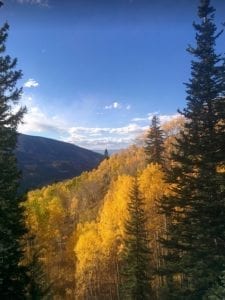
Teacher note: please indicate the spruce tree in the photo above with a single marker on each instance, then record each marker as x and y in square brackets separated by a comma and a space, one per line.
[154, 142]
[218, 291]
[135, 271]
[12, 228]
[106, 154]
[38, 287]
[196, 212]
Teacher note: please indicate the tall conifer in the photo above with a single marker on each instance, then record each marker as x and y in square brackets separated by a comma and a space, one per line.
[12, 274]
[106, 154]
[196, 212]
[154, 142]
[135, 273]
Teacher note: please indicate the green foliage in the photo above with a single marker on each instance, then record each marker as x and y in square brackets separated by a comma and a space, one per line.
[136, 254]
[217, 292]
[13, 278]
[196, 210]
[38, 284]
[154, 143]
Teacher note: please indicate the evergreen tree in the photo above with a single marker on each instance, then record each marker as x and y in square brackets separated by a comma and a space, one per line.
[154, 142]
[218, 290]
[38, 286]
[196, 212]
[12, 228]
[135, 272]
[106, 154]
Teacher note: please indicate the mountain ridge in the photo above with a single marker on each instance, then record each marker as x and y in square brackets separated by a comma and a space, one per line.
[43, 161]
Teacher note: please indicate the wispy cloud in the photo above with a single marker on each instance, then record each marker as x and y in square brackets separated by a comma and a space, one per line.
[139, 119]
[114, 105]
[101, 137]
[118, 105]
[148, 118]
[37, 121]
[130, 128]
[34, 2]
[31, 83]
[105, 142]
[167, 118]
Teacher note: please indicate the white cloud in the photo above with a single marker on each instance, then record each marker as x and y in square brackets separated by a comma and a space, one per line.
[139, 119]
[102, 143]
[130, 128]
[167, 118]
[114, 105]
[148, 118]
[163, 118]
[37, 121]
[118, 105]
[101, 137]
[34, 2]
[31, 83]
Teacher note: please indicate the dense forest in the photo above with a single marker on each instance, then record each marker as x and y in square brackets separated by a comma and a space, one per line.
[147, 223]
[80, 224]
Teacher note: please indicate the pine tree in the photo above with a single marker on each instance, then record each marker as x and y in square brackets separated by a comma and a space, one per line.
[154, 142]
[38, 287]
[106, 154]
[218, 290]
[12, 228]
[196, 212]
[135, 271]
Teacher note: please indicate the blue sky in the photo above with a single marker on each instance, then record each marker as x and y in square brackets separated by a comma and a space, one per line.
[95, 71]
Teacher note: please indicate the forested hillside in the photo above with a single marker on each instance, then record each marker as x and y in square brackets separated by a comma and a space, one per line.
[79, 225]
[147, 222]
[43, 161]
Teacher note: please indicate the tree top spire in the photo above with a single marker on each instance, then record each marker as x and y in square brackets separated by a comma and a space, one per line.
[205, 9]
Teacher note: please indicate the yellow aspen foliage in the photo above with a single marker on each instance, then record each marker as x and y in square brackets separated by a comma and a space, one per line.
[221, 169]
[89, 260]
[172, 130]
[152, 183]
[91, 187]
[50, 223]
[79, 224]
[126, 162]
[114, 212]
[87, 245]
[153, 187]
[98, 244]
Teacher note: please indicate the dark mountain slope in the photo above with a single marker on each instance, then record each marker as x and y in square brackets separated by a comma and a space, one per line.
[44, 161]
